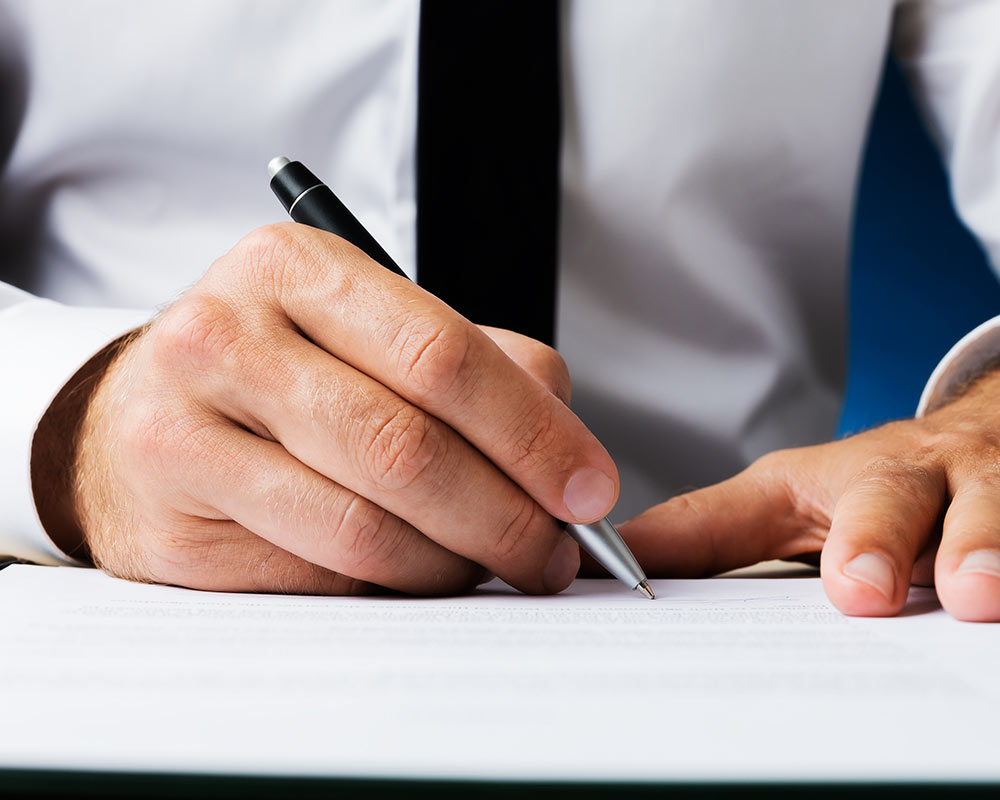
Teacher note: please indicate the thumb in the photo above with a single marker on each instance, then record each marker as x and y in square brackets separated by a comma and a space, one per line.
[748, 518]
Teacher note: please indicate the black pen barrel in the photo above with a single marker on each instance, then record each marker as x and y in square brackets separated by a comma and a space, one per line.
[311, 202]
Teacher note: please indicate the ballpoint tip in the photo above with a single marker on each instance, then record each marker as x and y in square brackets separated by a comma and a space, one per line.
[275, 165]
[646, 590]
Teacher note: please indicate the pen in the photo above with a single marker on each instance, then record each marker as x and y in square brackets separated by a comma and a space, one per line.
[311, 202]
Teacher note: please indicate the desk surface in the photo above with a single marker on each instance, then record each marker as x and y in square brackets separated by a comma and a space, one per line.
[726, 683]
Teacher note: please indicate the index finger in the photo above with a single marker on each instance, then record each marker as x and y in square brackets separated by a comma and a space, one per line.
[411, 342]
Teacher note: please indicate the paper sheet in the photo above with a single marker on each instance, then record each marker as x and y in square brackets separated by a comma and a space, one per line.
[723, 679]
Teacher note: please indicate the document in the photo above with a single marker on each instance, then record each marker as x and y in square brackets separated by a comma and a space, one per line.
[721, 679]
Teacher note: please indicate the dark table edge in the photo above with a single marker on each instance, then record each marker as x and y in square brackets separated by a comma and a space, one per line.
[39, 783]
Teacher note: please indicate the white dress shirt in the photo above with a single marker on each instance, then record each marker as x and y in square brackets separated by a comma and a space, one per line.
[711, 150]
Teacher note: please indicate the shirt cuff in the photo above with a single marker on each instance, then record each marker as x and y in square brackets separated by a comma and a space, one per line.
[44, 344]
[971, 353]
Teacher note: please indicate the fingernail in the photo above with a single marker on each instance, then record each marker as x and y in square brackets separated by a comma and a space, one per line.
[985, 562]
[874, 570]
[563, 565]
[589, 494]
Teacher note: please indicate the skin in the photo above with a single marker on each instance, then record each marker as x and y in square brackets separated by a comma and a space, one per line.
[911, 502]
[302, 420]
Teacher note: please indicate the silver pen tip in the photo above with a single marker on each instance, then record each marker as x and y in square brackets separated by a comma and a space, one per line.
[646, 590]
[275, 165]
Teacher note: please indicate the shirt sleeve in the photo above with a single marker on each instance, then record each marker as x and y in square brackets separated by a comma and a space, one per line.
[42, 345]
[964, 361]
[950, 53]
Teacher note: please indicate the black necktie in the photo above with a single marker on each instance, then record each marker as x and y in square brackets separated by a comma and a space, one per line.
[488, 127]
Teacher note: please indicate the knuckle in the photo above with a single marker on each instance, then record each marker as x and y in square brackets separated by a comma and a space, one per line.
[313, 579]
[147, 435]
[269, 255]
[690, 505]
[686, 504]
[365, 537]
[289, 264]
[987, 481]
[435, 358]
[165, 440]
[536, 439]
[267, 238]
[895, 472]
[327, 404]
[770, 469]
[519, 531]
[401, 447]
[911, 484]
[200, 330]
[961, 446]
[778, 475]
[551, 367]
[773, 462]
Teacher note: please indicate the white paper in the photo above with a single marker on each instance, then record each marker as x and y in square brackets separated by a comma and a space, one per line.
[723, 679]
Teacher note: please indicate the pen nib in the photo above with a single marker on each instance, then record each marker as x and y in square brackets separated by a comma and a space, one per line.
[644, 588]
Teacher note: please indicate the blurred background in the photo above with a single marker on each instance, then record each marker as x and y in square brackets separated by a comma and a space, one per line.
[919, 281]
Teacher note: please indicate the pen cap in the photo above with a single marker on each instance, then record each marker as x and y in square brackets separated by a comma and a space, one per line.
[291, 182]
[309, 201]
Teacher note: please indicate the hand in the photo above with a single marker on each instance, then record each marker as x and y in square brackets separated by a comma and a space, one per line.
[303, 420]
[912, 501]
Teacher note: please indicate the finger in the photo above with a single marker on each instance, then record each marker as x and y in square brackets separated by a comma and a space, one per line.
[364, 437]
[923, 567]
[229, 472]
[967, 569]
[409, 341]
[223, 556]
[882, 520]
[745, 519]
[539, 360]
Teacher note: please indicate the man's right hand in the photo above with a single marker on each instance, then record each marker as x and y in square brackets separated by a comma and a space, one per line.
[303, 420]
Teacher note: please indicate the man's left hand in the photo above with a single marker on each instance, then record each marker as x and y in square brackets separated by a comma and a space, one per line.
[911, 502]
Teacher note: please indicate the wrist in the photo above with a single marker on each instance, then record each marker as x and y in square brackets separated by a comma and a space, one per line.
[57, 448]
